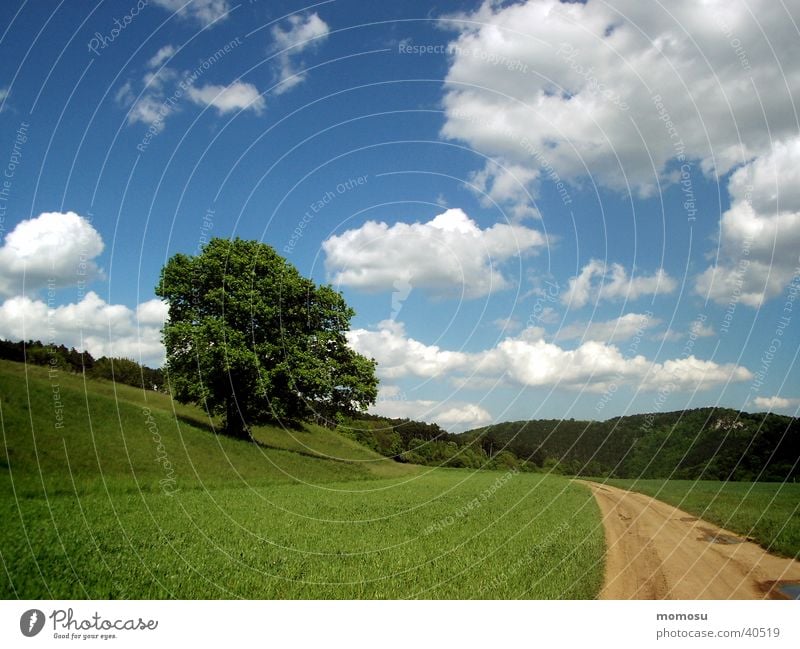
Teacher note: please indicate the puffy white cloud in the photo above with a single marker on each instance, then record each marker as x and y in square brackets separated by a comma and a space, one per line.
[92, 324]
[622, 328]
[203, 12]
[597, 281]
[301, 33]
[529, 360]
[578, 85]
[53, 249]
[152, 312]
[760, 233]
[236, 96]
[507, 186]
[464, 416]
[448, 255]
[776, 403]
[399, 355]
[455, 416]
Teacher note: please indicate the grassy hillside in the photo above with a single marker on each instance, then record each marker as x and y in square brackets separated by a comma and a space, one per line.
[87, 513]
[706, 443]
[113, 436]
[769, 513]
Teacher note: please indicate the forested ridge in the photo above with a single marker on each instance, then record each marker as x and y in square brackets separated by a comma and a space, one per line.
[704, 443]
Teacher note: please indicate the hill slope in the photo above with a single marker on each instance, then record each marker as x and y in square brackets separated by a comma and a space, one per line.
[707, 443]
[64, 433]
[304, 514]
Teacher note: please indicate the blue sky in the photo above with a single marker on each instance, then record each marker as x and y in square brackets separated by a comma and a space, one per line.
[536, 209]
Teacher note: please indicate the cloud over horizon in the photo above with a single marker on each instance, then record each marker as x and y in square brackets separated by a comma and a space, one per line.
[449, 255]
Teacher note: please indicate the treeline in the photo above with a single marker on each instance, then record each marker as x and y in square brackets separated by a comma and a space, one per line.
[705, 443]
[417, 442]
[59, 357]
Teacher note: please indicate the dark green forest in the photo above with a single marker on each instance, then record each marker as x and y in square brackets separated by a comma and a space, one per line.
[704, 443]
[64, 359]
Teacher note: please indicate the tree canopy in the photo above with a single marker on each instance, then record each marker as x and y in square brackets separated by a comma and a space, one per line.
[250, 338]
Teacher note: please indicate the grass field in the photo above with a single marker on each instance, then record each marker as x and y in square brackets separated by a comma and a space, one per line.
[110, 492]
[767, 512]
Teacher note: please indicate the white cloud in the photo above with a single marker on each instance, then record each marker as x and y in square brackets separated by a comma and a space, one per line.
[574, 84]
[445, 256]
[151, 107]
[164, 87]
[776, 403]
[464, 416]
[152, 312]
[236, 96]
[301, 33]
[507, 186]
[53, 248]
[92, 324]
[454, 416]
[597, 281]
[162, 55]
[203, 12]
[509, 324]
[3, 96]
[618, 329]
[528, 360]
[701, 330]
[402, 356]
[760, 233]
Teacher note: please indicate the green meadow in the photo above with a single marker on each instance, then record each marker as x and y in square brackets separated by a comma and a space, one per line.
[112, 492]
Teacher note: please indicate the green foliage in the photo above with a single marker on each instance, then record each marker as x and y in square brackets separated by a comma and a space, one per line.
[421, 443]
[706, 443]
[60, 358]
[54, 356]
[124, 370]
[249, 338]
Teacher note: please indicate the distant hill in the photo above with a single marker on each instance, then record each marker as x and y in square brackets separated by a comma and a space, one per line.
[705, 443]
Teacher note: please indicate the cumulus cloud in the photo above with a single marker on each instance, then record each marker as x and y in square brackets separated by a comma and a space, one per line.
[597, 281]
[507, 186]
[455, 416]
[301, 33]
[618, 329]
[617, 90]
[448, 255]
[528, 360]
[203, 12]
[400, 355]
[53, 249]
[760, 233]
[91, 324]
[776, 403]
[236, 96]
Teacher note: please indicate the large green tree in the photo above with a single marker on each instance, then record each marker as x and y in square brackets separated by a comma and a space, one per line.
[250, 338]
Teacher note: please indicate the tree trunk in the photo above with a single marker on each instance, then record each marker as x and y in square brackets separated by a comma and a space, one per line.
[234, 422]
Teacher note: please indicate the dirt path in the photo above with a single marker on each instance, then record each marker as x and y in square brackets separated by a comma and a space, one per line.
[658, 552]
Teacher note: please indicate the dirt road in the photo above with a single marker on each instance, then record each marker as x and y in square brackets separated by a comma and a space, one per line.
[658, 552]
